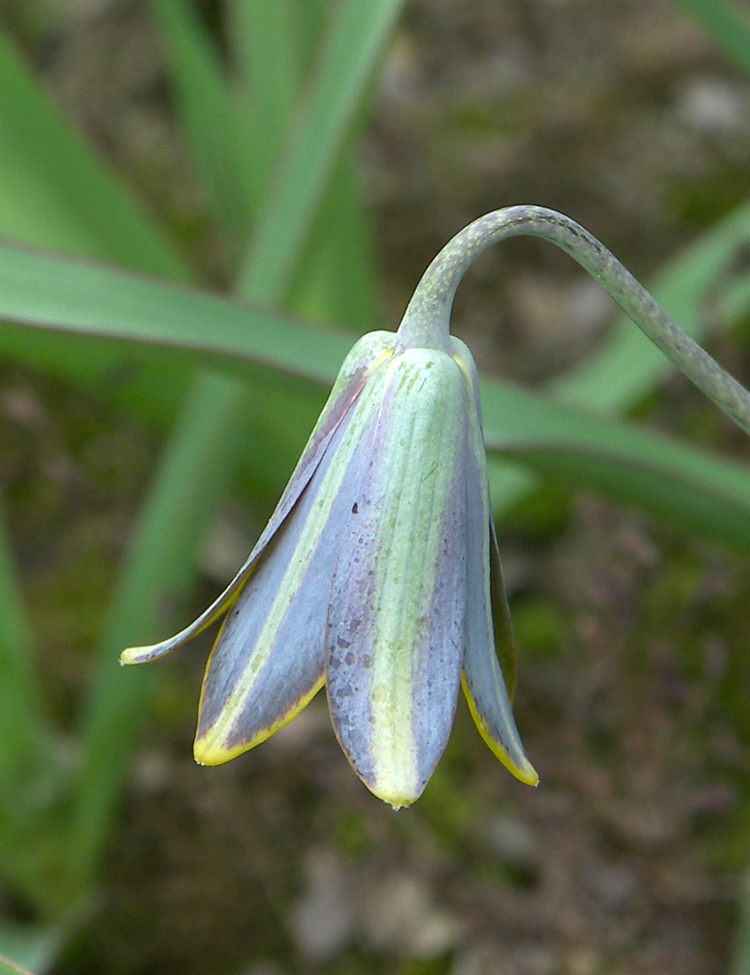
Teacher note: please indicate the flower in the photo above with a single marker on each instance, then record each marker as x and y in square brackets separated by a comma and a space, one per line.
[377, 575]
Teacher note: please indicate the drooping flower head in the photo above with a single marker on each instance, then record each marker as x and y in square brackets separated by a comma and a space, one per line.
[378, 575]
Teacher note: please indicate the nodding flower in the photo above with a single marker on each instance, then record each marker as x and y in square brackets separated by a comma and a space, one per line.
[378, 575]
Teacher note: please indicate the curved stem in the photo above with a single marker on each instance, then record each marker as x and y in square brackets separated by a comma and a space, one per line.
[427, 318]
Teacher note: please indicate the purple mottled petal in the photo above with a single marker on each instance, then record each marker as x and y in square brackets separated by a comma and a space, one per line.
[487, 614]
[268, 660]
[505, 646]
[395, 625]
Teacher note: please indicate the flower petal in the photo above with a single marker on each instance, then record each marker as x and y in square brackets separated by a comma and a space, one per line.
[268, 660]
[505, 646]
[483, 682]
[396, 617]
[355, 371]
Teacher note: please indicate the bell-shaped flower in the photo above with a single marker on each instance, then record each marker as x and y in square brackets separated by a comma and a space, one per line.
[377, 575]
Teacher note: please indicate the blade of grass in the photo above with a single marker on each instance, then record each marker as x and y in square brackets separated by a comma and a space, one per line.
[697, 288]
[272, 42]
[24, 947]
[286, 217]
[338, 260]
[38, 287]
[548, 436]
[32, 775]
[208, 120]
[336, 279]
[700, 291]
[142, 316]
[192, 473]
[7, 967]
[56, 193]
[729, 26]
[689, 487]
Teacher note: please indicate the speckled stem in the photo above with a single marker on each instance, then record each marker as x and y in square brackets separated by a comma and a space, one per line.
[427, 319]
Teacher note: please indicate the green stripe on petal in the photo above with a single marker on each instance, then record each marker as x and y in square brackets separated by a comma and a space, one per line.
[487, 615]
[395, 625]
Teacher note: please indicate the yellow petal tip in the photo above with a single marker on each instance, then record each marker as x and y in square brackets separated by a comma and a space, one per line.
[207, 753]
[211, 749]
[396, 797]
[134, 655]
[528, 775]
[521, 768]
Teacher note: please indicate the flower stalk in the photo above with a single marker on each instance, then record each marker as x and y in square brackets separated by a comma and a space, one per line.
[430, 307]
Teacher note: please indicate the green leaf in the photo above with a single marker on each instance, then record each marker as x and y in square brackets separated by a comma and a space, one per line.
[7, 967]
[285, 220]
[272, 43]
[31, 773]
[729, 26]
[557, 440]
[210, 124]
[56, 193]
[692, 488]
[178, 511]
[25, 947]
[336, 281]
[143, 317]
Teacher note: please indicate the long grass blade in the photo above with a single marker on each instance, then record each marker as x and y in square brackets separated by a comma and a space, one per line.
[541, 432]
[56, 193]
[729, 26]
[689, 487]
[698, 289]
[29, 948]
[271, 43]
[8, 967]
[336, 279]
[143, 316]
[192, 473]
[285, 220]
[205, 108]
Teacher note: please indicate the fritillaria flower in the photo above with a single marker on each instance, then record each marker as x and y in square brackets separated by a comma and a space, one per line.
[378, 575]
